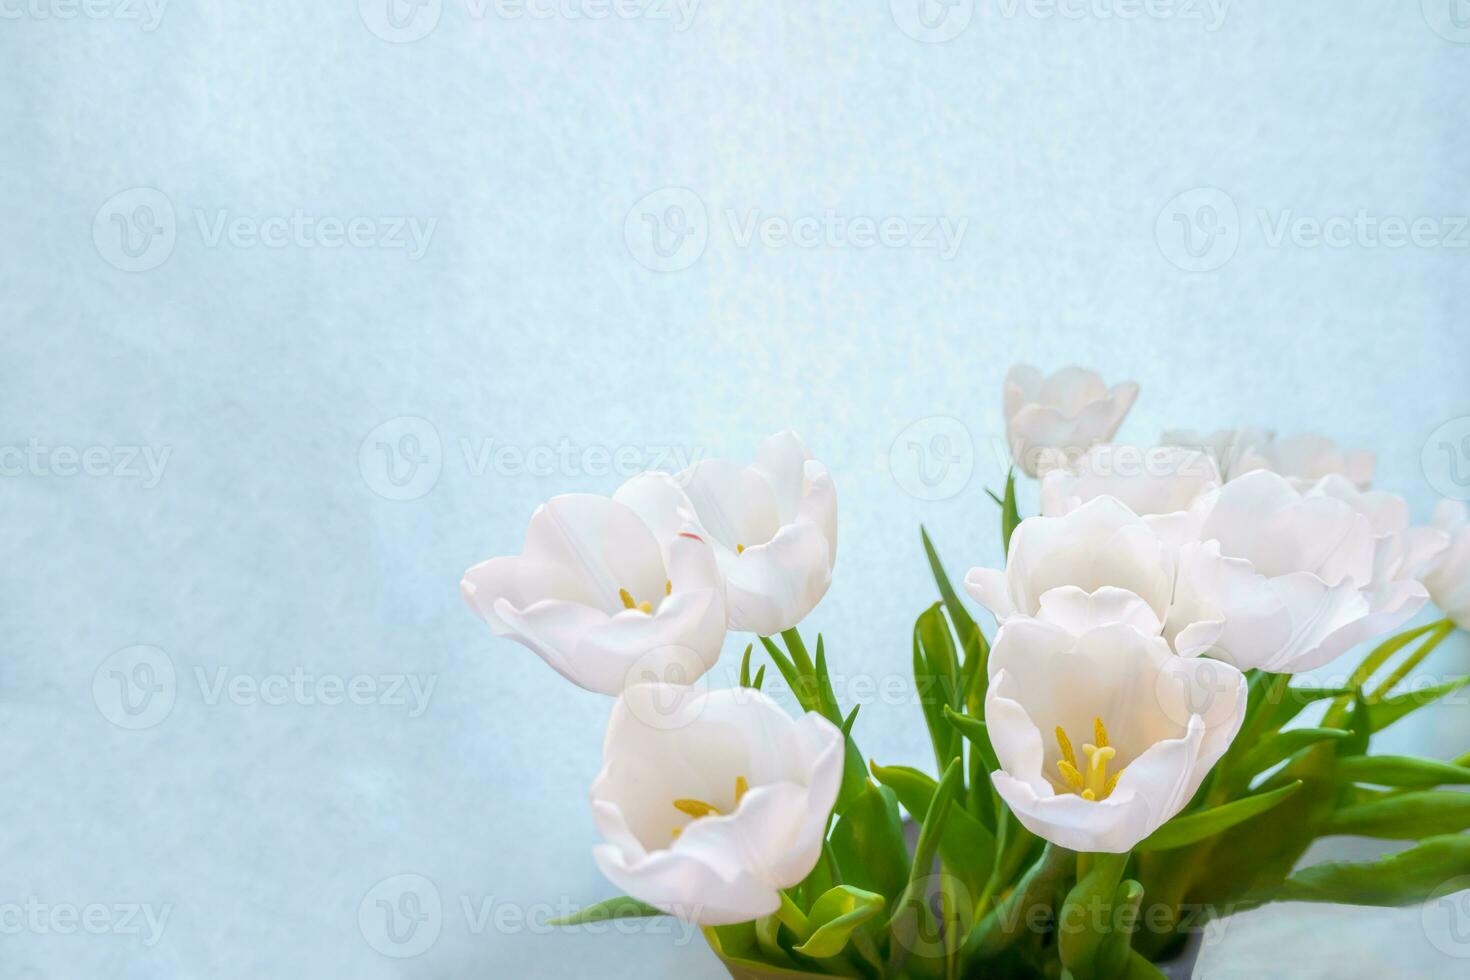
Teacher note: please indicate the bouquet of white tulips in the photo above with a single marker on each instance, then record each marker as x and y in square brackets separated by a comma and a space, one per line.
[1124, 758]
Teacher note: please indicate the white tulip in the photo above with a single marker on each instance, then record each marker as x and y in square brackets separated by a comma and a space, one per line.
[1050, 420]
[1170, 487]
[1302, 459]
[773, 526]
[1297, 579]
[1449, 576]
[1401, 552]
[710, 803]
[603, 599]
[1101, 563]
[1103, 736]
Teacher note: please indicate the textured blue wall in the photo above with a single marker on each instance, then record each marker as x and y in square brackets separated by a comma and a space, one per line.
[247, 235]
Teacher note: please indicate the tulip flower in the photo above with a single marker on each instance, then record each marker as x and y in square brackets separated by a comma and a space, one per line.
[1302, 459]
[710, 803]
[1448, 579]
[1295, 578]
[1050, 420]
[1170, 487]
[603, 599]
[1101, 563]
[1103, 736]
[773, 527]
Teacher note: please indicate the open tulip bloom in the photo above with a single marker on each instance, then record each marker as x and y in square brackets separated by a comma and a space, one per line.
[1126, 756]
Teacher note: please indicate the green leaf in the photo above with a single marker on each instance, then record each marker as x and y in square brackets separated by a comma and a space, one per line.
[1380, 654]
[1282, 746]
[1406, 816]
[868, 843]
[621, 907]
[974, 729]
[1207, 823]
[740, 951]
[802, 689]
[936, 678]
[760, 678]
[967, 847]
[824, 686]
[1010, 517]
[911, 905]
[1294, 699]
[1396, 880]
[745, 666]
[1360, 725]
[964, 623]
[834, 916]
[1388, 710]
[1402, 770]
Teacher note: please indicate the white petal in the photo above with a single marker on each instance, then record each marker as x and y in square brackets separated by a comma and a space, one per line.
[771, 587]
[989, 587]
[735, 505]
[1078, 611]
[781, 459]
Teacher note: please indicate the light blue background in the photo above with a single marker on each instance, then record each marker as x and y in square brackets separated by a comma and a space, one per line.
[266, 546]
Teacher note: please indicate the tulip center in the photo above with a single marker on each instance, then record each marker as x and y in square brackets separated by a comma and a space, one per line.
[699, 808]
[645, 606]
[1092, 781]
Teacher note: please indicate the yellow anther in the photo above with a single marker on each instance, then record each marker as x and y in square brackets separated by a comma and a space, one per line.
[1092, 781]
[696, 808]
[740, 549]
[628, 603]
[699, 808]
[1066, 744]
[668, 586]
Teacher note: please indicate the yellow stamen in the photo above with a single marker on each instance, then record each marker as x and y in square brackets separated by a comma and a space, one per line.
[628, 603]
[696, 808]
[1092, 781]
[1066, 744]
[668, 586]
[740, 549]
[699, 808]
